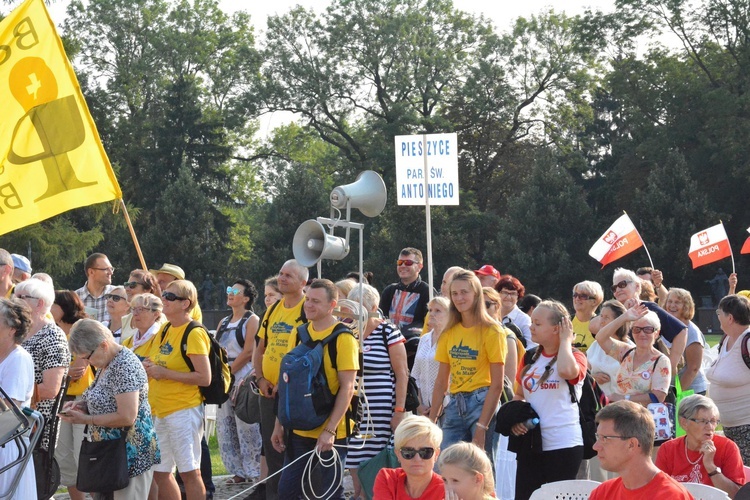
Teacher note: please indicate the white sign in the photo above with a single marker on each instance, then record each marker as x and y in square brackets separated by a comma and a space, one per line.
[441, 171]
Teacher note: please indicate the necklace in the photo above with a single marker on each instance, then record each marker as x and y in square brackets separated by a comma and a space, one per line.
[700, 456]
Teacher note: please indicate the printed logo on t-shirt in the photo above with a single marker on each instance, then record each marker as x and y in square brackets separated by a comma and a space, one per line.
[403, 307]
[281, 327]
[531, 383]
[166, 349]
[462, 351]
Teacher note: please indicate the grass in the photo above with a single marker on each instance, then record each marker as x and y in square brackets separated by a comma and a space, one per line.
[217, 466]
[713, 338]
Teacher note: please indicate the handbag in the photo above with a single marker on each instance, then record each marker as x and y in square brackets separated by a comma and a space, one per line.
[246, 402]
[368, 470]
[412, 395]
[103, 465]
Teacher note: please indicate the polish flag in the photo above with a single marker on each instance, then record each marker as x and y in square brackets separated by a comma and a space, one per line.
[709, 245]
[619, 240]
[746, 246]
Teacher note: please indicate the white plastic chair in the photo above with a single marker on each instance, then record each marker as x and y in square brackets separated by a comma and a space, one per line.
[210, 420]
[575, 489]
[705, 492]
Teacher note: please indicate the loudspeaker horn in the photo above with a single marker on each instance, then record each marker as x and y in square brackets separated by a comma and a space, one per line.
[311, 243]
[367, 193]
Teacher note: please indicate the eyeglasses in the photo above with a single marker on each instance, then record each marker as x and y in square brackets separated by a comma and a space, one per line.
[509, 293]
[621, 284]
[582, 296]
[406, 262]
[489, 304]
[644, 329]
[139, 310]
[233, 291]
[25, 297]
[424, 453]
[90, 354]
[702, 421]
[105, 269]
[605, 439]
[113, 297]
[133, 284]
[171, 297]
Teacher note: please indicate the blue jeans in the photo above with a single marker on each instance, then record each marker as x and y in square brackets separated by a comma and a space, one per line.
[460, 419]
[291, 483]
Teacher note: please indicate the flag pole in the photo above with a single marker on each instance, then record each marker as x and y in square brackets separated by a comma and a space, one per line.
[731, 254]
[132, 234]
[644, 244]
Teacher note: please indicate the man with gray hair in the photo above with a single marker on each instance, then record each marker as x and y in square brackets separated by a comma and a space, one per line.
[6, 274]
[624, 440]
[272, 344]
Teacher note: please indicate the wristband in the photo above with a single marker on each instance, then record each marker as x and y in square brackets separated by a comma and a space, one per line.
[329, 431]
[482, 426]
[398, 409]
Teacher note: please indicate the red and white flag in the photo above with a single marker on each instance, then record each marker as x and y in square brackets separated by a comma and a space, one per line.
[746, 246]
[709, 245]
[619, 240]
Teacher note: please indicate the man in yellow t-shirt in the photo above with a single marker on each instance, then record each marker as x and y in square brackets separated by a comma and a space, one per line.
[168, 273]
[272, 343]
[319, 305]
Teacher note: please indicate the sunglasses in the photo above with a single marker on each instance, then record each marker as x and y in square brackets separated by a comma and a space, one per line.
[233, 291]
[406, 262]
[115, 298]
[424, 453]
[582, 296]
[645, 329]
[133, 284]
[621, 284]
[171, 297]
[139, 310]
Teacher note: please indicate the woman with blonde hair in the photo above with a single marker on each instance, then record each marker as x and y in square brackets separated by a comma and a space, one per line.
[680, 305]
[417, 446]
[587, 295]
[471, 352]
[467, 473]
[546, 381]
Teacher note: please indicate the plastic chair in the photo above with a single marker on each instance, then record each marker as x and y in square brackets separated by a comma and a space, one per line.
[747, 474]
[705, 492]
[210, 420]
[575, 489]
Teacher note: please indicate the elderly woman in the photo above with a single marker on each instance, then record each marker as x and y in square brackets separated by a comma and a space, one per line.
[48, 347]
[116, 402]
[730, 376]
[239, 442]
[645, 372]
[67, 310]
[139, 282]
[587, 295]
[471, 352]
[425, 367]
[417, 446]
[544, 381]
[385, 375]
[680, 305]
[147, 320]
[118, 306]
[511, 290]
[175, 394]
[701, 455]
[17, 376]
[626, 287]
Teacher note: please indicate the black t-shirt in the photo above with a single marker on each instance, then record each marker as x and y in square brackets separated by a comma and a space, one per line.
[406, 305]
[670, 326]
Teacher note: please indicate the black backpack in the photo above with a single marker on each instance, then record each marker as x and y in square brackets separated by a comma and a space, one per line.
[217, 392]
[238, 332]
[592, 400]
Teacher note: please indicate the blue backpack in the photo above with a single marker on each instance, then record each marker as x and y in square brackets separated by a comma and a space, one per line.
[305, 399]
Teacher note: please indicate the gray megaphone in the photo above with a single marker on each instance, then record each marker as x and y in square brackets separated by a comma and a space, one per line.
[311, 243]
[367, 193]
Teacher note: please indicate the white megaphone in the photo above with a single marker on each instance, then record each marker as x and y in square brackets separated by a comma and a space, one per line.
[367, 193]
[311, 243]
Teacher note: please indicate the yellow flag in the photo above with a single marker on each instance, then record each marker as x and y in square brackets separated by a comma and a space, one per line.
[51, 157]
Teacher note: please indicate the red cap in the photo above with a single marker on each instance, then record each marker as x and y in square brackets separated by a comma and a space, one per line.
[488, 270]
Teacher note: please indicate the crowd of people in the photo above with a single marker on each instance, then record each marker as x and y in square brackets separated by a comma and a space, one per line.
[107, 362]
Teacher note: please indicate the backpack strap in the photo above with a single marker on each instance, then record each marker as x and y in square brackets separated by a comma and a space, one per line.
[743, 348]
[268, 316]
[626, 354]
[238, 332]
[222, 327]
[183, 345]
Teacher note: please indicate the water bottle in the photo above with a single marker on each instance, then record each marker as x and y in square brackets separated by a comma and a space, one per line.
[531, 423]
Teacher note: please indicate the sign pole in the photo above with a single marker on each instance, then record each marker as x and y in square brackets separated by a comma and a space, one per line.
[428, 217]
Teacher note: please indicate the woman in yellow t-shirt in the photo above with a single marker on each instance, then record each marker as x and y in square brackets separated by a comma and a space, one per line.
[471, 352]
[66, 310]
[174, 390]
